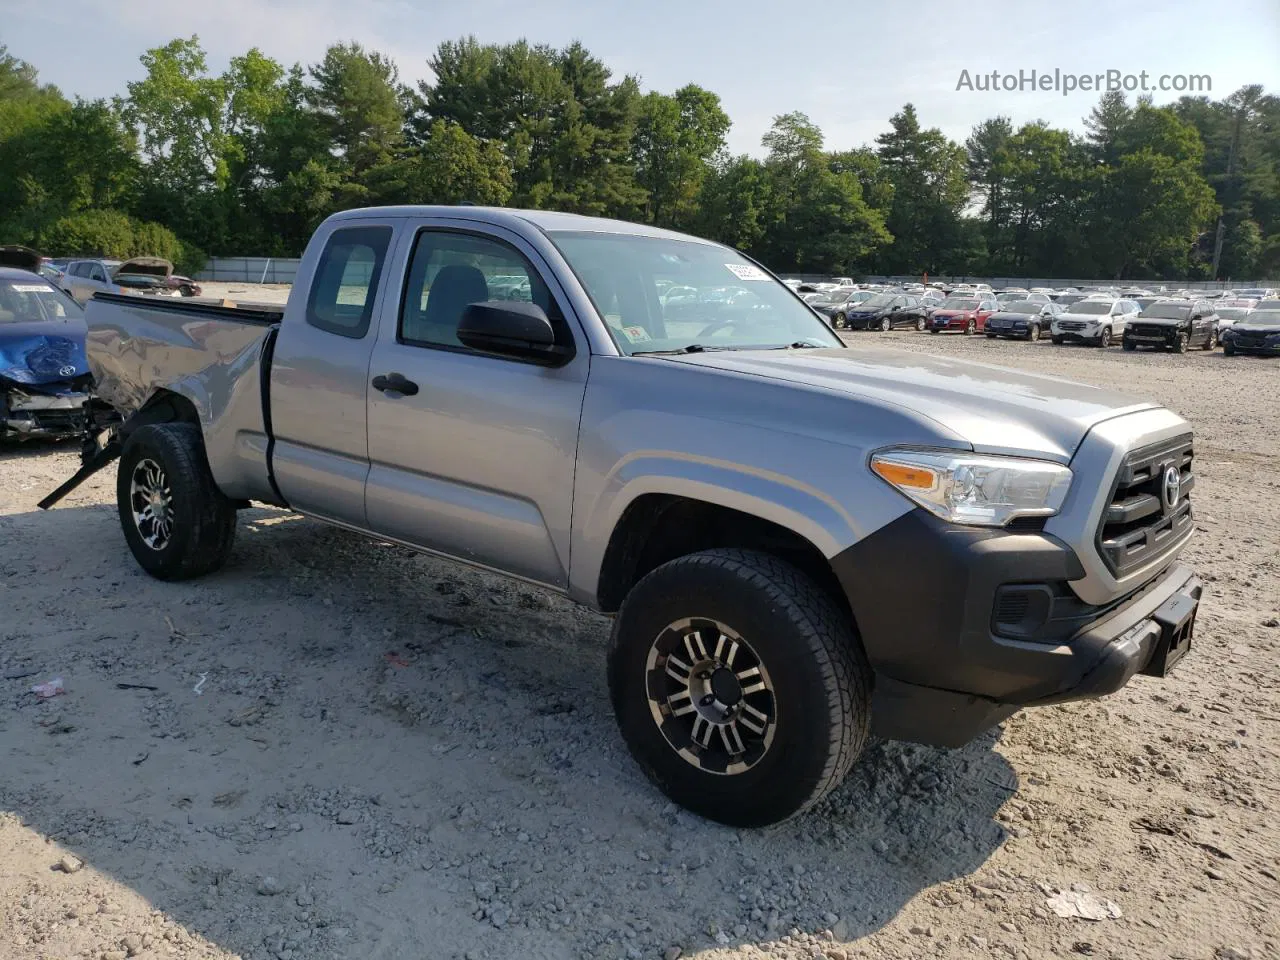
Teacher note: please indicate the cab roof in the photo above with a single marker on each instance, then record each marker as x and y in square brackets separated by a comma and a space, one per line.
[546, 220]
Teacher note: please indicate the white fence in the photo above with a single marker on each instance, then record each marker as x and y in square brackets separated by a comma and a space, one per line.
[250, 269]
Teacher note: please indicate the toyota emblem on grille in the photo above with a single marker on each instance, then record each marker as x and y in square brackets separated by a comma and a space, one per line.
[66, 371]
[1172, 487]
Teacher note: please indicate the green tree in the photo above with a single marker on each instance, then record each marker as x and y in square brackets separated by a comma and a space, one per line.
[676, 139]
[818, 219]
[930, 181]
[987, 164]
[356, 95]
[1106, 124]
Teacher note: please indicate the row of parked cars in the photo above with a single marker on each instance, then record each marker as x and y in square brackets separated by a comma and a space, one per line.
[1242, 322]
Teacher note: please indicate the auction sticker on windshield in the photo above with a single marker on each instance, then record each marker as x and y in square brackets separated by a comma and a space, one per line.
[29, 288]
[745, 271]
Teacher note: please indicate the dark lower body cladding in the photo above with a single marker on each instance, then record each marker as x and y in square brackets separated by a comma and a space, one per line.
[966, 626]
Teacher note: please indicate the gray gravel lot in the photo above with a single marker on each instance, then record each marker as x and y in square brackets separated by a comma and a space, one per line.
[391, 757]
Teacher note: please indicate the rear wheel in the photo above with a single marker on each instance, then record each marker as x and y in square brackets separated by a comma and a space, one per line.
[176, 521]
[1229, 349]
[739, 687]
[1211, 341]
[920, 324]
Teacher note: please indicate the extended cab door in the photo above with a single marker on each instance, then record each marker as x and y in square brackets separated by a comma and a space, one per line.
[475, 457]
[320, 369]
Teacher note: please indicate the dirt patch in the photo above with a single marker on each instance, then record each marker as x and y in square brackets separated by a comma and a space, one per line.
[355, 751]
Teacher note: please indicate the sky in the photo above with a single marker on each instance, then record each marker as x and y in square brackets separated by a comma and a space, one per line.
[848, 64]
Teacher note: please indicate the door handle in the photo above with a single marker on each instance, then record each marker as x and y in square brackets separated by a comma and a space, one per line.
[394, 383]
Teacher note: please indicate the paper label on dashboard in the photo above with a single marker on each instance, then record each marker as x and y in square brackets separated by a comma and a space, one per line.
[747, 271]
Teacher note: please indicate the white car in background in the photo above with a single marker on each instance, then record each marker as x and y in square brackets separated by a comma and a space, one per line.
[1233, 311]
[1098, 321]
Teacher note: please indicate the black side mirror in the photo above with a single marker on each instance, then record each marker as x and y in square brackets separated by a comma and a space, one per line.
[512, 329]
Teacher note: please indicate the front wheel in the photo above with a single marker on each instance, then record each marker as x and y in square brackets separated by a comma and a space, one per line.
[1104, 339]
[920, 324]
[885, 324]
[739, 687]
[1180, 345]
[839, 321]
[178, 524]
[970, 328]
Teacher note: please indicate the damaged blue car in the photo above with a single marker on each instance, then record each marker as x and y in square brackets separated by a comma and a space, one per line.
[45, 384]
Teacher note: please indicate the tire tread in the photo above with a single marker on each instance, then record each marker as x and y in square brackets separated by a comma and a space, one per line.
[829, 640]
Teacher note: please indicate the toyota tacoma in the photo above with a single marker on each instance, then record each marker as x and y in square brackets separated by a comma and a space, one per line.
[738, 489]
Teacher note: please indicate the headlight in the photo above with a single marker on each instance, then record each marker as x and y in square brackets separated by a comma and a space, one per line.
[976, 490]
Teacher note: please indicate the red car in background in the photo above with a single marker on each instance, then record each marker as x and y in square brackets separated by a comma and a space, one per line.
[968, 314]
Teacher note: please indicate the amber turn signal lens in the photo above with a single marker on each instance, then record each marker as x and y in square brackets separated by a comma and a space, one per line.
[901, 475]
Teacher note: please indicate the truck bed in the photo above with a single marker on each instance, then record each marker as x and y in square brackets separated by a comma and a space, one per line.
[211, 353]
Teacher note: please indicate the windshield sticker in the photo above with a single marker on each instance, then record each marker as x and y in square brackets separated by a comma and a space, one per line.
[746, 271]
[636, 334]
[29, 288]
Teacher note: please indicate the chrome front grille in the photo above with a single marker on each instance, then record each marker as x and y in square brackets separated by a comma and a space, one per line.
[1149, 513]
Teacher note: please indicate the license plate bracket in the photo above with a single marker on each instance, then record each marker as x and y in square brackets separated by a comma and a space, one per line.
[1177, 620]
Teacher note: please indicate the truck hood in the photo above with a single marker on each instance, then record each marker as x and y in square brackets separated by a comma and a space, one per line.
[1257, 326]
[993, 409]
[24, 258]
[144, 267]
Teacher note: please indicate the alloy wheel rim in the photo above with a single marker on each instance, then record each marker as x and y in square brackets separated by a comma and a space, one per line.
[151, 502]
[710, 696]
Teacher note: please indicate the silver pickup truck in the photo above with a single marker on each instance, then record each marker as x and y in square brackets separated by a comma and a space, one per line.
[800, 543]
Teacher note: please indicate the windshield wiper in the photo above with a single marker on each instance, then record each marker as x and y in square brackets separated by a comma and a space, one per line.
[691, 348]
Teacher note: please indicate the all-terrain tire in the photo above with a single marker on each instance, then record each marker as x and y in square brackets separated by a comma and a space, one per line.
[202, 523]
[821, 684]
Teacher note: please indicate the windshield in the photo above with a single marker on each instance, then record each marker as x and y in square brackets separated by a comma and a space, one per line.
[1269, 305]
[1023, 306]
[1233, 313]
[959, 303]
[1091, 307]
[840, 297]
[33, 300]
[878, 302]
[734, 305]
[1166, 311]
[1264, 316]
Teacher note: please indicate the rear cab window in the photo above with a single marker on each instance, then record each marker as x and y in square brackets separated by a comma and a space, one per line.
[346, 280]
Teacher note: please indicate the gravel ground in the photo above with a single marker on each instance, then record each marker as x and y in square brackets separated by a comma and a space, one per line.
[352, 751]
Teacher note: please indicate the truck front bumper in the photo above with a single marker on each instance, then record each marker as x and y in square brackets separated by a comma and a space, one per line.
[965, 626]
